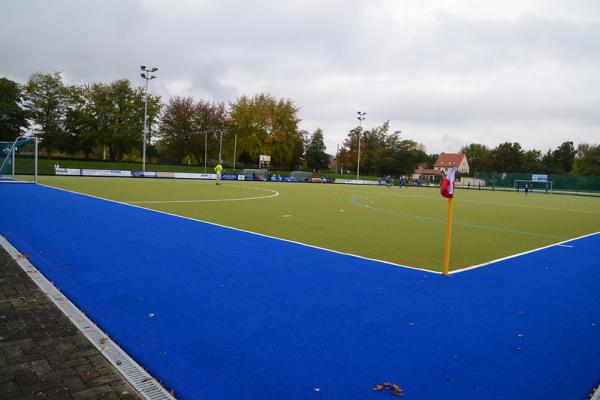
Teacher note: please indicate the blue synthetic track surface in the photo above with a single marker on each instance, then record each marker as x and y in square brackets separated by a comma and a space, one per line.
[216, 313]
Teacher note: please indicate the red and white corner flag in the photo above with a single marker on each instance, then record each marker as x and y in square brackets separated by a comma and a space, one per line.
[447, 190]
[447, 186]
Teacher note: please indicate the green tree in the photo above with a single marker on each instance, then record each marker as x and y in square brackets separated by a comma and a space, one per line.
[561, 159]
[532, 162]
[117, 111]
[507, 157]
[376, 144]
[46, 102]
[177, 128]
[13, 118]
[430, 159]
[348, 155]
[382, 153]
[300, 142]
[264, 125]
[211, 121]
[478, 156]
[316, 157]
[409, 155]
[587, 161]
[79, 122]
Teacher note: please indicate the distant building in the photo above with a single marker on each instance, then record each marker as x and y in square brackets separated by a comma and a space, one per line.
[446, 161]
[426, 175]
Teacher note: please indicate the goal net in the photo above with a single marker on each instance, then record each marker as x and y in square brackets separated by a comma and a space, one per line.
[536, 186]
[19, 160]
[255, 174]
[301, 176]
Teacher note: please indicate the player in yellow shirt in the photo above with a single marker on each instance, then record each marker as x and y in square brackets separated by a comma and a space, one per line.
[218, 170]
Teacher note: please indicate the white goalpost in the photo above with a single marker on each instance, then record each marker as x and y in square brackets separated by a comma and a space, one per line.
[19, 160]
[537, 182]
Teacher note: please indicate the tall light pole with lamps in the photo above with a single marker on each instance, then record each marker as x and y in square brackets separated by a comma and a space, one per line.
[473, 169]
[220, 145]
[361, 118]
[147, 75]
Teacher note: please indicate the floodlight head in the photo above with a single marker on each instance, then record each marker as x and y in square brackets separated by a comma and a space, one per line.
[152, 77]
[143, 76]
[143, 67]
[154, 69]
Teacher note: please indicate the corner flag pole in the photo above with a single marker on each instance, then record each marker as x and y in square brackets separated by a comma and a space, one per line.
[448, 242]
[447, 191]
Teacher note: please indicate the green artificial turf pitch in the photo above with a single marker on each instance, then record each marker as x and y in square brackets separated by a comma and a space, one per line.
[402, 226]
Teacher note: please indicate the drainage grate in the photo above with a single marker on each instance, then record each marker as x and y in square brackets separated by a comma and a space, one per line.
[145, 384]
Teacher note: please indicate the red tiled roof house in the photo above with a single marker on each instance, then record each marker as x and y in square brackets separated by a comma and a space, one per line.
[446, 161]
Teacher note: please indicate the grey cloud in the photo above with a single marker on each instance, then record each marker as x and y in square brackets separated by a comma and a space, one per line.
[422, 64]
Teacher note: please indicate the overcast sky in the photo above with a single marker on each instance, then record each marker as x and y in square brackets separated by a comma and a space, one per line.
[445, 73]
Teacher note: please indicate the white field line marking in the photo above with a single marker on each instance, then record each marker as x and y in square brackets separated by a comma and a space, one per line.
[565, 245]
[443, 221]
[275, 193]
[522, 254]
[143, 382]
[243, 230]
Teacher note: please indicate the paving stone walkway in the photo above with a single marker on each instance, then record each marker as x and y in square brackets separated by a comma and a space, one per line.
[42, 354]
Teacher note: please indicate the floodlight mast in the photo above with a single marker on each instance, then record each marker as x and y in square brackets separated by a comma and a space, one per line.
[146, 76]
[361, 118]
[220, 145]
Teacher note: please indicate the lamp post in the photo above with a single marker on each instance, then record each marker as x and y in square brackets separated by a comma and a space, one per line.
[220, 145]
[205, 149]
[234, 151]
[147, 75]
[361, 118]
[473, 167]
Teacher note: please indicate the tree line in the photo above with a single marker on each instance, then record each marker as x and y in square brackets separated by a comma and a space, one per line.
[105, 121]
[382, 152]
[511, 157]
[91, 119]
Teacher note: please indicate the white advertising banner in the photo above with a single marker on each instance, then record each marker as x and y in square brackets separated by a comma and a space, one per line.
[104, 172]
[190, 175]
[356, 182]
[67, 171]
[539, 178]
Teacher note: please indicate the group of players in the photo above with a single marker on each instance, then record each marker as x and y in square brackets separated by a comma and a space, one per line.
[402, 181]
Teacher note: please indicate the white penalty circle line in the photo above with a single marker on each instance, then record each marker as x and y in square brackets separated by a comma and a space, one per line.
[274, 194]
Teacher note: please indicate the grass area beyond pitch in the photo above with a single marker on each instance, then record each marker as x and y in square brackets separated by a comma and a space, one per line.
[403, 226]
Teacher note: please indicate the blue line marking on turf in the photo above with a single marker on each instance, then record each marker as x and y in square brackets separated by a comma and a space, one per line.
[217, 313]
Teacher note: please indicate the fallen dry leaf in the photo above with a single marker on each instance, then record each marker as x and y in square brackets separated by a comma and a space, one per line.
[393, 388]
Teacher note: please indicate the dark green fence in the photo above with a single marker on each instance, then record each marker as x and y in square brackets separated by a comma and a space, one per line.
[588, 185]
